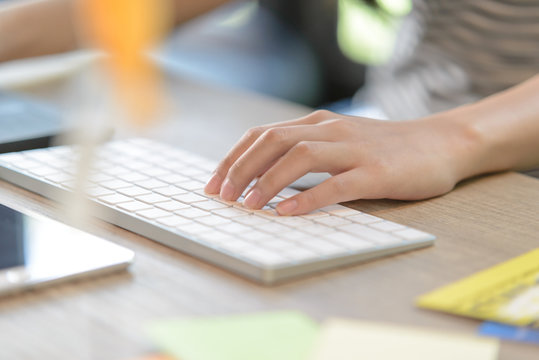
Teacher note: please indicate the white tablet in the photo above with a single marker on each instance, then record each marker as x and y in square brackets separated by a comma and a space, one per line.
[36, 251]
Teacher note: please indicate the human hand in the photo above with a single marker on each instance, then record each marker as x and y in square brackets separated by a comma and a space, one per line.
[368, 159]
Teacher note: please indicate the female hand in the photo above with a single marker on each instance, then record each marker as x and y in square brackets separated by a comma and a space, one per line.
[368, 159]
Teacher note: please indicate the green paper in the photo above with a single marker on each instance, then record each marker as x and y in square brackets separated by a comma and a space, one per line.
[264, 336]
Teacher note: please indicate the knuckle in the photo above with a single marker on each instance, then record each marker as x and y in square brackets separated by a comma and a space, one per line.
[321, 114]
[338, 186]
[339, 124]
[254, 132]
[304, 149]
[274, 135]
[234, 170]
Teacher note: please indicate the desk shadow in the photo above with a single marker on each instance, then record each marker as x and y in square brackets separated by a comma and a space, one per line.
[66, 289]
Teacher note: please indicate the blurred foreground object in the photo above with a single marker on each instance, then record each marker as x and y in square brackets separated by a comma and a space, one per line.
[126, 30]
[125, 86]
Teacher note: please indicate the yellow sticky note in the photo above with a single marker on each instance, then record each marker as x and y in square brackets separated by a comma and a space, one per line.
[284, 335]
[353, 340]
[508, 292]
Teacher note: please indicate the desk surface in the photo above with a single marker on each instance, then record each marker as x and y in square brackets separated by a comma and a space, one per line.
[482, 222]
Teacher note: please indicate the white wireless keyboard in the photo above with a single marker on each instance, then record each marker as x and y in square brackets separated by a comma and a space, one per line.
[157, 191]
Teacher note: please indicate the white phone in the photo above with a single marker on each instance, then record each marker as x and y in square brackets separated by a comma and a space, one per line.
[36, 251]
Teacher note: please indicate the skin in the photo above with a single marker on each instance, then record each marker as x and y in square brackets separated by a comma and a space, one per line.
[53, 27]
[372, 159]
[368, 159]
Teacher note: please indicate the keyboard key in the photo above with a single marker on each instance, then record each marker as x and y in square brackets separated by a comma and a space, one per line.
[265, 257]
[413, 235]
[191, 185]
[318, 229]
[134, 206]
[230, 212]
[278, 245]
[59, 178]
[134, 191]
[153, 213]
[114, 199]
[192, 171]
[132, 177]
[387, 226]
[251, 220]
[288, 192]
[12, 158]
[173, 178]
[189, 198]
[115, 170]
[367, 233]
[115, 184]
[339, 210]
[133, 165]
[216, 237]
[172, 205]
[364, 218]
[155, 172]
[174, 221]
[325, 247]
[267, 213]
[43, 171]
[299, 254]
[294, 221]
[332, 221]
[152, 198]
[27, 164]
[99, 177]
[273, 227]
[314, 215]
[235, 228]
[237, 245]
[151, 184]
[214, 220]
[294, 235]
[170, 191]
[192, 213]
[257, 236]
[97, 191]
[194, 228]
[209, 205]
[350, 242]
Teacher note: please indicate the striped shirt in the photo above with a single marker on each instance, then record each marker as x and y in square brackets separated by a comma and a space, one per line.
[452, 52]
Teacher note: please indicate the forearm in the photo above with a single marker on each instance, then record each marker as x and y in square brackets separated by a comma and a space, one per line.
[500, 132]
[40, 27]
[33, 28]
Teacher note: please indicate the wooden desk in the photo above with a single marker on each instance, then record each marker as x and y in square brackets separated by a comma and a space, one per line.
[483, 222]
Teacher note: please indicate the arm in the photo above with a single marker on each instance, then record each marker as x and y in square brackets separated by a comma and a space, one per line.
[32, 28]
[41, 27]
[372, 159]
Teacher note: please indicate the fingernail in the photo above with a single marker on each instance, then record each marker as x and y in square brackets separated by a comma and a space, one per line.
[287, 207]
[252, 199]
[212, 187]
[227, 191]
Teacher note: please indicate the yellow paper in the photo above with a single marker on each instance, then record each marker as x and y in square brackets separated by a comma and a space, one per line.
[354, 340]
[508, 292]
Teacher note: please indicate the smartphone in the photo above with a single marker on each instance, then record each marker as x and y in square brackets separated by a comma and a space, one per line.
[37, 251]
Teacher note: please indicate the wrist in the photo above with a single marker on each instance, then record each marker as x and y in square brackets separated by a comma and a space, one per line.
[466, 145]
